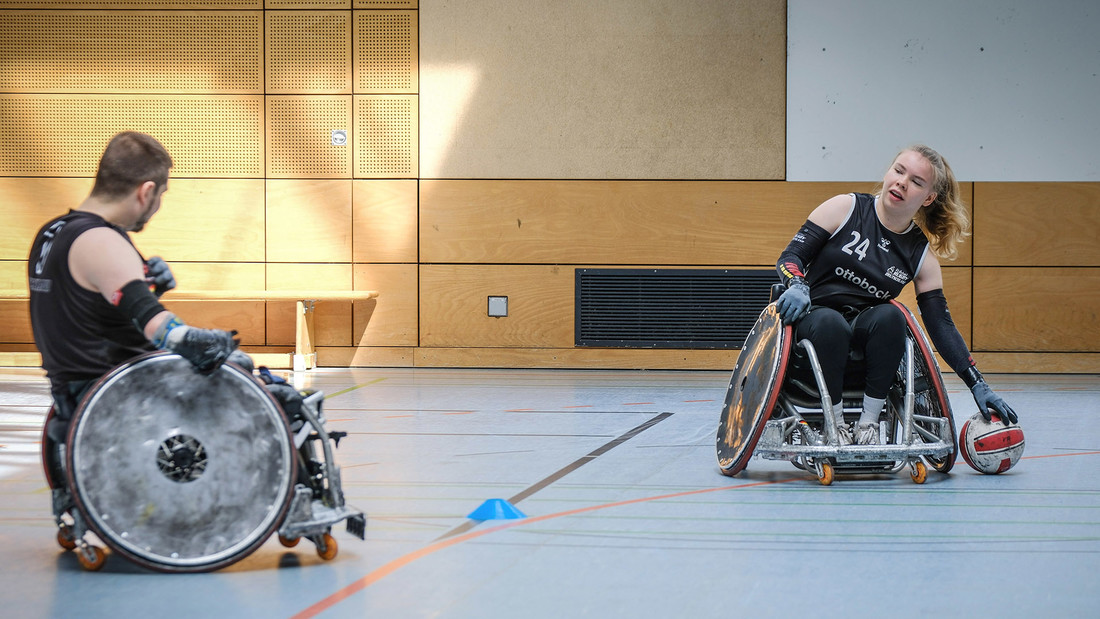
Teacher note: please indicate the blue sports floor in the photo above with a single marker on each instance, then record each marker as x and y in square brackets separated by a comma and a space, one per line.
[626, 512]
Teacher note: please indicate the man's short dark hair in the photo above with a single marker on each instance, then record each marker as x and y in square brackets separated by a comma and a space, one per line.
[129, 160]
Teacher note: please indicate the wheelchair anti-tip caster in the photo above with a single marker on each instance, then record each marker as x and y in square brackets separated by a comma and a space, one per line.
[91, 558]
[918, 471]
[65, 537]
[326, 546]
[825, 472]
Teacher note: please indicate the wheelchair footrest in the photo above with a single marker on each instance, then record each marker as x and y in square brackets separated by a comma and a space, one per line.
[308, 516]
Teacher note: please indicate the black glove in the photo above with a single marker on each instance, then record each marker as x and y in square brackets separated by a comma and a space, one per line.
[794, 303]
[206, 349]
[242, 359]
[159, 275]
[987, 400]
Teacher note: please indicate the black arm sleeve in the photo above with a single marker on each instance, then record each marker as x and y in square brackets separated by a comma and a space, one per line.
[138, 303]
[801, 251]
[944, 334]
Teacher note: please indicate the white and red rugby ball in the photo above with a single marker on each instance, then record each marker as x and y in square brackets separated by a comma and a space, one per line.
[990, 447]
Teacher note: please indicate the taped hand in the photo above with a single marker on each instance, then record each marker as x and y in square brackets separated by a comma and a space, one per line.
[794, 303]
[206, 349]
[988, 400]
[158, 274]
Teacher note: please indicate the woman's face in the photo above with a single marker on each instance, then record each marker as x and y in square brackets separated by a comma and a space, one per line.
[909, 182]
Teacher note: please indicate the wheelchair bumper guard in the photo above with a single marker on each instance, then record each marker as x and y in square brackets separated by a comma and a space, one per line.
[772, 447]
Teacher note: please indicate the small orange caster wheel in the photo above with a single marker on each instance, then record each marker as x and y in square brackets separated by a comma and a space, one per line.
[289, 542]
[825, 473]
[327, 548]
[65, 537]
[918, 472]
[91, 558]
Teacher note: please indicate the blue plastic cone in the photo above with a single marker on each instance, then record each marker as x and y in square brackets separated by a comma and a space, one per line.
[496, 509]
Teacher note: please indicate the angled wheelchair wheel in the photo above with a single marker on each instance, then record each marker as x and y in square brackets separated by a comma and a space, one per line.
[179, 471]
[931, 396]
[753, 390]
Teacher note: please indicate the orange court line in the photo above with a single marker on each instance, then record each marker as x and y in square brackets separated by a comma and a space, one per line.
[430, 549]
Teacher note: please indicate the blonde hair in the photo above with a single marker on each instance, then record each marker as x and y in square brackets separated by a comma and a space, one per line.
[945, 221]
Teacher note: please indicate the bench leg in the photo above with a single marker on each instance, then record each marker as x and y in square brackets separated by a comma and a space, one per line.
[305, 358]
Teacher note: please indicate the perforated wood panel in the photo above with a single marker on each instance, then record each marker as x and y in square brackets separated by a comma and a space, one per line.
[385, 4]
[386, 143]
[131, 51]
[385, 51]
[64, 135]
[307, 4]
[132, 4]
[300, 136]
[308, 52]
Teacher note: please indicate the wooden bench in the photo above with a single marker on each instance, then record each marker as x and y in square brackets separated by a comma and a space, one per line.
[304, 356]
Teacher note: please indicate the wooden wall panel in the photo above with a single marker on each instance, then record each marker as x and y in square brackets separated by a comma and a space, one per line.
[1036, 224]
[391, 319]
[454, 306]
[15, 320]
[207, 220]
[28, 203]
[386, 59]
[385, 4]
[387, 136]
[15, 323]
[308, 52]
[384, 214]
[957, 288]
[300, 139]
[198, 5]
[721, 223]
[131, 51]
[307, 4]
[1036, 309]
[211, 136]
[13, 274]
[332, 320]
[309, 221]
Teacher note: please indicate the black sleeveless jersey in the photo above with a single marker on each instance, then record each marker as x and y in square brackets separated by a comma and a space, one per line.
[80, 335]
[865, 263]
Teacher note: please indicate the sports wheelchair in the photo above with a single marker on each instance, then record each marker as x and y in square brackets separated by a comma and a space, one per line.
[771, 413]
[183, 472]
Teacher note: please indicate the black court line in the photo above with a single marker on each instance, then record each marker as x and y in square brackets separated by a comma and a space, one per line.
[562, 472]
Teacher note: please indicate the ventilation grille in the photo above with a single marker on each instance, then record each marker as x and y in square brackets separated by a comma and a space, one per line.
[386, 136]
[130, 51]
[309, 52]
[668, 308]
[385, 52]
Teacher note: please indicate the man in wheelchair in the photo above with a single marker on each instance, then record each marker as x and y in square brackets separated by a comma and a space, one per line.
[99, 324]
[856, 252]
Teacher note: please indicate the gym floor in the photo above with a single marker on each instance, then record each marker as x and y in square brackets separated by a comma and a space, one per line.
[626, 512]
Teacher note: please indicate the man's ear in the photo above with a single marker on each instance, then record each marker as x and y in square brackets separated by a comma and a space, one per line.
[146, 192]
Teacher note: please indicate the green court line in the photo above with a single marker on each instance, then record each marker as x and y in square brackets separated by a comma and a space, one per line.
[349, 389]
